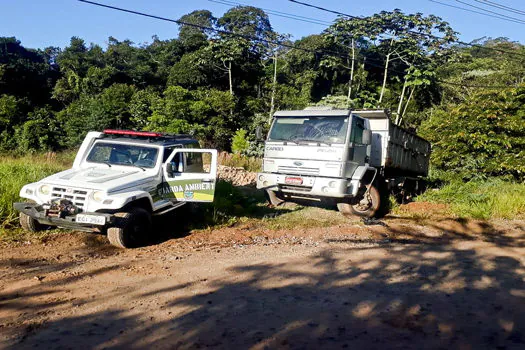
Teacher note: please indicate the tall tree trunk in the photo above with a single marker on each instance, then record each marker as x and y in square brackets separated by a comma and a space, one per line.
[401, 102]
[350, 83]
[385, 76]
[230, 76]
[408, 100]
[274, 86]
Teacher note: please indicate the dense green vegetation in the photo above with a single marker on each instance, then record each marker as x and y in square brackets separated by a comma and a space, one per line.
[468, 100]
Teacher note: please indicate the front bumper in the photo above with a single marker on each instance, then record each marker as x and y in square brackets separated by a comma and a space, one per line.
[310, 186]
[37, 212]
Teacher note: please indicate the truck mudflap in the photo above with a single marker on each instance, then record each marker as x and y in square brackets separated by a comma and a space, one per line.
[91, 222]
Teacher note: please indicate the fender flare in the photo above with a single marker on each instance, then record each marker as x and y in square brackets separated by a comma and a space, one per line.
[365, 173]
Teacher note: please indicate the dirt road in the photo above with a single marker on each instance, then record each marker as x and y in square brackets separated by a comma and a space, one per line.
[445, 284]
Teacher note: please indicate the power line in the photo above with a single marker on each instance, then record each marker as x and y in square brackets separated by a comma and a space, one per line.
[501, 6]
[277, 13]
[505, 17]
[322, 52]
[221, 31]
[473, 11]
[413, 32]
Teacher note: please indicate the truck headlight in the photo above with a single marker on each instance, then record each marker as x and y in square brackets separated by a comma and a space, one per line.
[44, 189]
[98, 196]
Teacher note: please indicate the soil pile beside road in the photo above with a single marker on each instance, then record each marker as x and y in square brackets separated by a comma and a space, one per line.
[237, 176]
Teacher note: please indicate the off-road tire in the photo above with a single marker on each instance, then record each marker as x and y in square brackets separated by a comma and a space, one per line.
[376, 207]
[30, 224]
[131, 229]
[274, 198]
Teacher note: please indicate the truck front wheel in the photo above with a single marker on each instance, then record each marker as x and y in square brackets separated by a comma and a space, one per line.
[373, 204]
[131, 228]
[30, 224]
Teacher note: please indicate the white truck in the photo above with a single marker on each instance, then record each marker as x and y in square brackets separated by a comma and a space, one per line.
[118, 181]
[354, 158]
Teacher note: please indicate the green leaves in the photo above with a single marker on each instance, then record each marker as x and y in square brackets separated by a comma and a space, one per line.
[484, 135]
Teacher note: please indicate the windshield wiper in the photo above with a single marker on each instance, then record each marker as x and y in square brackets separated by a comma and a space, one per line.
[137, 166]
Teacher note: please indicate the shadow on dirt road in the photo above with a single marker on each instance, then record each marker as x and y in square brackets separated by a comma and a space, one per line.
[453, 293]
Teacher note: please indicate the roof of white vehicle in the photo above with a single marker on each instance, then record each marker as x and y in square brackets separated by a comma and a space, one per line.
[164, 141]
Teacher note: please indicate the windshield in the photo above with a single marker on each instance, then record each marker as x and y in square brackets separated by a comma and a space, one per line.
[121, 154]
[317, 129]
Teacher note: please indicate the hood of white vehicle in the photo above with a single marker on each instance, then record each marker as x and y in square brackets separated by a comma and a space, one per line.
[98, 178]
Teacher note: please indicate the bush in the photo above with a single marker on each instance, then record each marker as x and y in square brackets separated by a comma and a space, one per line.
[16, 172]
[482, 137]
[240, 143]
[494, 198]
[239, 161]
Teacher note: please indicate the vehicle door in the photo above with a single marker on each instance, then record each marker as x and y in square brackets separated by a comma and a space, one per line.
[186, 176]
[357, 151]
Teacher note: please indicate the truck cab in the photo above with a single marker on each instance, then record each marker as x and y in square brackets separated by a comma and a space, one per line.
[118, 181]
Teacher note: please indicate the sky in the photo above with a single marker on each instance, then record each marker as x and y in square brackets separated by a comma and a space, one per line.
[39, 23]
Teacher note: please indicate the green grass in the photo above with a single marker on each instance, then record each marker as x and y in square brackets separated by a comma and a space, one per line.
[239, 161]
[303, 217]
[16, 172]
[481, 199]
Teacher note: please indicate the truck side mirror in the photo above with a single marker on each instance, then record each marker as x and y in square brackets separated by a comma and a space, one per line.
[367, 137]
[259, 133]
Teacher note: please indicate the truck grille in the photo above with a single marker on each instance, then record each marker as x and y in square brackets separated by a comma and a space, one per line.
[296, 188]
[298, 170]
[77, 197]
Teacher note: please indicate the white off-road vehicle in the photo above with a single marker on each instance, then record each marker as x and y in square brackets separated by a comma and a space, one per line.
[118, 181]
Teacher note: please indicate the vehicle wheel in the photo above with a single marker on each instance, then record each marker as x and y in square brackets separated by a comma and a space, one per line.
[131, 228]
[274, 198]
[374, 204]
[30, 224]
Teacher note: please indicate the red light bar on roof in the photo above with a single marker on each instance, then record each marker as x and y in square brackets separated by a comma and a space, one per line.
[132, 133]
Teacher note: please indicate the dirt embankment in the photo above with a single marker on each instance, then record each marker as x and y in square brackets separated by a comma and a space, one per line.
[406, 284]
[237, 176]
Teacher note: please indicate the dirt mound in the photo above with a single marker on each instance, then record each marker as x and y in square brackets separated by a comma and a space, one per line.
[237, 176]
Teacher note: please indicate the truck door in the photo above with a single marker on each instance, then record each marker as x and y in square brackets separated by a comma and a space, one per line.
[357, 152]
[187, 178]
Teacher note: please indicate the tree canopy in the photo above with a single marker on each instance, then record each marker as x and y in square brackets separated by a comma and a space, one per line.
[225, 74]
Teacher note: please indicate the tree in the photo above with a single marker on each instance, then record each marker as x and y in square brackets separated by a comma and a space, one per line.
[484, 136]
[193, 37]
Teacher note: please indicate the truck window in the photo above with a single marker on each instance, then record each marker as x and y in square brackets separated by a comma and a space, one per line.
[358, 126]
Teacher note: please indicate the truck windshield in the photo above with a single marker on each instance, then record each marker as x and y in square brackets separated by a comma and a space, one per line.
[122, 154]
[316, 129]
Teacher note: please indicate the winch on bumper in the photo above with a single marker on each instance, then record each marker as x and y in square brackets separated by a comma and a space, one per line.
[63, 213]
[308, 186]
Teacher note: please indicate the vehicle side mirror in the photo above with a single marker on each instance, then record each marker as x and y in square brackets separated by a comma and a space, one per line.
[169, 169]
[367, 137]
[259, 133]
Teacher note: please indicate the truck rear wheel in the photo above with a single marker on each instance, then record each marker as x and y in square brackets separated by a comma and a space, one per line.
[274, 198]
[30, 224]
[131, 228]
[374, 204]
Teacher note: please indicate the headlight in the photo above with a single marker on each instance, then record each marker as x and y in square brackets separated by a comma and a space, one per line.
[98, 196]
[44, 189]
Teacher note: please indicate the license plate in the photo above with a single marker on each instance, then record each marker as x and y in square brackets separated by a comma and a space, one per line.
[293, 180]
[91, 219]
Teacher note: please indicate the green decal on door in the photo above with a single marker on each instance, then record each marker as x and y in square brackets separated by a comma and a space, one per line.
[188, 190]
